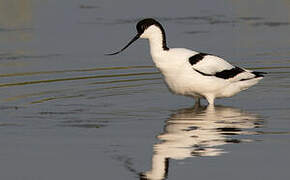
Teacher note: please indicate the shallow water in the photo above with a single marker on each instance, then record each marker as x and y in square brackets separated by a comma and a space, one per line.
[69, 112]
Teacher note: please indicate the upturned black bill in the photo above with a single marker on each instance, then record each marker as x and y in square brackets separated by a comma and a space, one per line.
[134, 39]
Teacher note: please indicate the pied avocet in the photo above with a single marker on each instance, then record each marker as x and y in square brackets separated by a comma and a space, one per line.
[192, 73]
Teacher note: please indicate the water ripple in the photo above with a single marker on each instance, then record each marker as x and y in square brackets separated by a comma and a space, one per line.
[76, 70]
[75, 78]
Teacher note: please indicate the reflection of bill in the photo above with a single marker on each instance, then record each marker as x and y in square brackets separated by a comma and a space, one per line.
[199, 132]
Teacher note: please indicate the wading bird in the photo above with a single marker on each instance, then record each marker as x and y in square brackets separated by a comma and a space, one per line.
[192, 73]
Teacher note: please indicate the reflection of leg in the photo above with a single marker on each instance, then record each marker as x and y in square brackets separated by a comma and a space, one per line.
[210, 109]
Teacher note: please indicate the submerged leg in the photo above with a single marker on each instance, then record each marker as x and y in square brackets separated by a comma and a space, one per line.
[196, 101]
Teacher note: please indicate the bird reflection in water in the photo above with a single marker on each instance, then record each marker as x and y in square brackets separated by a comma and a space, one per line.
[199, 131]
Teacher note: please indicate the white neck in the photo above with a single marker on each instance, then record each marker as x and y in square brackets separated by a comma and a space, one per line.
[155, 41]
[155, 36]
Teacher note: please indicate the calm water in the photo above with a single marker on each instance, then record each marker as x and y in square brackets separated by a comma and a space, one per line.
[69, 112]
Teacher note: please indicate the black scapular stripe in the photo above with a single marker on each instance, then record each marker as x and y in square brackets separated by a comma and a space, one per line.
[196, 58]
[225, 74]
[203, 73]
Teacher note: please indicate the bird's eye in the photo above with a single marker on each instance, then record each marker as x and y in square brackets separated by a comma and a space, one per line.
[143, 27]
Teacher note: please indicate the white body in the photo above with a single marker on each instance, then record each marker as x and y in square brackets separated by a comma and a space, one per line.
[182, 78]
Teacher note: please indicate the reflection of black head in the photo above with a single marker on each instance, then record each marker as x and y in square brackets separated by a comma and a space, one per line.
[142, 176]
[141, 27]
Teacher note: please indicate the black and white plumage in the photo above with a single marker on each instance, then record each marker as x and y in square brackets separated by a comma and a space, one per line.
[192, 73]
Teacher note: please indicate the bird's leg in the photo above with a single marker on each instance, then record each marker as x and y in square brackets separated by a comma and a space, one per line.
[196, 101]
[210, 100]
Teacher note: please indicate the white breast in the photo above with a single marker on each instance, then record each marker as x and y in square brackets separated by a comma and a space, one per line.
[177, 72]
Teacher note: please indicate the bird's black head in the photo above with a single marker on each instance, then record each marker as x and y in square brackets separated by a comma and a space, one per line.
[141, 27]
[145, 23]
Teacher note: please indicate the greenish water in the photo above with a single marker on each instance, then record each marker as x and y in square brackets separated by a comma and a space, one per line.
[69, 112]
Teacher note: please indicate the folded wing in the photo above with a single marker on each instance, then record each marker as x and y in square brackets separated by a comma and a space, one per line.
[209, 65]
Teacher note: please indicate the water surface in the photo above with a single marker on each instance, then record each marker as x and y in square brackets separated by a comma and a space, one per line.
[69, 112]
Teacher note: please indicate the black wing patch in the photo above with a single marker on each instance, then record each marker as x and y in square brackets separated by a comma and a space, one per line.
[225, 74]
[257, 75]
[196, 58]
